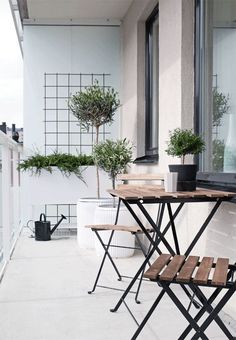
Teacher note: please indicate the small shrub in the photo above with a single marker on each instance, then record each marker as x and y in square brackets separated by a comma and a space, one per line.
[184, 142]
[113, 157]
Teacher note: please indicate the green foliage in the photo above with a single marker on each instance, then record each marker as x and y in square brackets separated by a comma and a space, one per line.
[95, 106]
[184, 142]
[67, 164]
[113, 156]
[220, 106]
[218, 148]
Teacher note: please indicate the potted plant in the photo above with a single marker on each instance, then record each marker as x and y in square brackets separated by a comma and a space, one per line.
[184, 142]
[93, 107]
[113, 157]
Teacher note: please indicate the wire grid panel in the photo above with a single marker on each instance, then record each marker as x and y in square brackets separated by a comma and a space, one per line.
[54, 211]
[62, 131]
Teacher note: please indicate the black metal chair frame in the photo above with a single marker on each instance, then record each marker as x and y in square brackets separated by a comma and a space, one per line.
[206, 307]
[106, 255]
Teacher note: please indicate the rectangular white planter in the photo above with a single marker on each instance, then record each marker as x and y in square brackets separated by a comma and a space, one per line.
[57, 189]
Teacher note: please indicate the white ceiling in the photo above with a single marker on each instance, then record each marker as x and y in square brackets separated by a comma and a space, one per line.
[77, 9]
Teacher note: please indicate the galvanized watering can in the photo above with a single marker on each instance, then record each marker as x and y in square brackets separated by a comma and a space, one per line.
[43, 230]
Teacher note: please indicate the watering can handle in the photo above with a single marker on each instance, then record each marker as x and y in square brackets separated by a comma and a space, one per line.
[44, 216]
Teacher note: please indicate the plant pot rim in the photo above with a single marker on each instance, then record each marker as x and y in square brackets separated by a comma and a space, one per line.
[94, 199]
[110, 206]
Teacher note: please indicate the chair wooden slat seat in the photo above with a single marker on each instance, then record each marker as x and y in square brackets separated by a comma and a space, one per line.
[203, 271]
[179, 269]
[157, 266]
[172, 268]
[117, 227]
[220, 273]
[188, 268]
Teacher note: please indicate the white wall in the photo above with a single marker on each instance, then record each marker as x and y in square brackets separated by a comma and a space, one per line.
[64, 49]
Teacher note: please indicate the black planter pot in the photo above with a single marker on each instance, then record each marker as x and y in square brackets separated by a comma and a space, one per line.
[186, 176]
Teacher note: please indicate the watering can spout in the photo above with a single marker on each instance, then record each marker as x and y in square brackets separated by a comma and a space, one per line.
[56, 225]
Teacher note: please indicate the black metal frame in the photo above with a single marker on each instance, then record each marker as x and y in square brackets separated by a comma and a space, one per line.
[55, 115]
[212, 180]
[205, 308]
[161, 234]
[107, 254]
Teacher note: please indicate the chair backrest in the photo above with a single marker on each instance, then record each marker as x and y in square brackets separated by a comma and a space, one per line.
[137, 180]
[140, 177]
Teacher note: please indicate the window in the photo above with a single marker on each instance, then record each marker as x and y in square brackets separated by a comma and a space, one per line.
[215, 90]
[151, 89]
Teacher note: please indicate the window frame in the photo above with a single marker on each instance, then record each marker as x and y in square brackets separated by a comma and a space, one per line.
[213, 180]
[151, 153]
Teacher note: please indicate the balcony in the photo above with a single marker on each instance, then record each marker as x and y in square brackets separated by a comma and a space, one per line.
[66, 46]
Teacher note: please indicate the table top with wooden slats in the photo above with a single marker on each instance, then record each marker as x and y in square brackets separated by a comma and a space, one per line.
[135, 192]
[190, 270]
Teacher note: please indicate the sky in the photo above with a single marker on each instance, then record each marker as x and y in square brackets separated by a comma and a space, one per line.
[11, 70]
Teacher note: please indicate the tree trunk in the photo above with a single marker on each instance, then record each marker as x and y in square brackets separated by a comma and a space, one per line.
[97, 170]
[113, 187]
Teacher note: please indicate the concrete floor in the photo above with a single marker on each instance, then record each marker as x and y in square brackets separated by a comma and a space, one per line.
[43, 296]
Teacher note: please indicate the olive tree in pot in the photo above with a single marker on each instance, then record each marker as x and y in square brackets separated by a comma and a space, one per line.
[93, 107]
[184, 142]
[113, 157]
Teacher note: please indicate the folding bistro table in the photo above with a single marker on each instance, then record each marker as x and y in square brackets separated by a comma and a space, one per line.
[139, 196]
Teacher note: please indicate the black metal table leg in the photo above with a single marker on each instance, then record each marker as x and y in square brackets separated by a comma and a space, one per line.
[143, 227]
[203, 227]
[157, 230]
[173, 229]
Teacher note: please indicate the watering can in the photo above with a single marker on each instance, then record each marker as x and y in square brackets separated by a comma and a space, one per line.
[43, 229]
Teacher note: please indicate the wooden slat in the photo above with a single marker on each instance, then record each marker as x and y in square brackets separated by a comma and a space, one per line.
[148, 191]
[116, 227]
[142, 192]
[140, 177]
[187, 270]
[125, 194]
[220, 273]
[203, 271]
[157, 266]
[218, 193]
[172, 269]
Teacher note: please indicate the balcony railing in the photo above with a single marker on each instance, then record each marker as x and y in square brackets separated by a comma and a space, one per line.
[10, 224]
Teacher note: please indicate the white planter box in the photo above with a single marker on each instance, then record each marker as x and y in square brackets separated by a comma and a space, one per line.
[57, 189]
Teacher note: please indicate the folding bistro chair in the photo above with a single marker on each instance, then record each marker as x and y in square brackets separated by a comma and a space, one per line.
[134, 230]
[190, 271]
